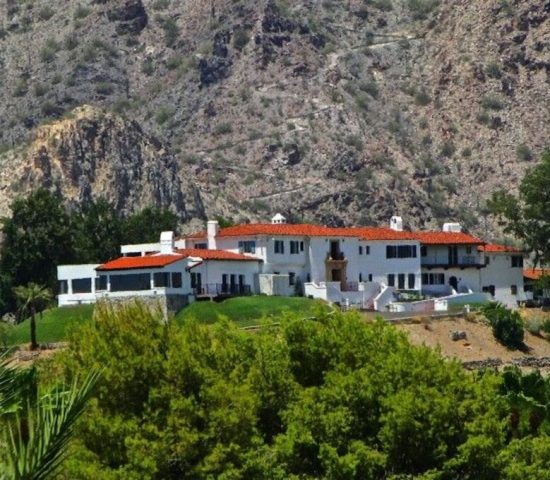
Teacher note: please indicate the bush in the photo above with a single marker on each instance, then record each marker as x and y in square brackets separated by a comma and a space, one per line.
[534, 326]
[355, 142]
[81, 12]
[240, 39]
[104, 88]
[171, 32]
[545, 326]
[493, 70]
[46, 13]
[524, 153]
[420, 9]
[422, 98]
[223, 128]
[163, 115]
[492, 102]
[507, 325]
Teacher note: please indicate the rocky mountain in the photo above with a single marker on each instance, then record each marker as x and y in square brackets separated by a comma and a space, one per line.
[338, 111]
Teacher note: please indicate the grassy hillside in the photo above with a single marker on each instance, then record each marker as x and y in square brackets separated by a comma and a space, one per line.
[246, 311]
[53, 325]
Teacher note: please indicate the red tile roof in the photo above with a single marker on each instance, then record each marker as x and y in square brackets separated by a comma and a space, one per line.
[446, 238]
[381, 233]
[494, 248]
[363, 233]
[285, 229]
[216, 255]
[535, 273]
[148, 261]
[195, 236]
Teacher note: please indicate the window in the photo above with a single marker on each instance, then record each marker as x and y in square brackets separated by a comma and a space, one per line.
[247, 247]
[294, 247]
[195, 280]
[101, 283]
[360, 278]
[370, 277]
[176, 280]
[412, 281]
[63, 287]
[82, 285]
[487, 260]
[424, 251]
[279, 246]
[291, 278]
[468, 250]
[130, 282]
[360, 250]
[401, 281]
[489, 289]
[517, 261]
[514, 289]
[391, 280]
[401, 251]
[308, 278]
[367, 250]
[161, 279]
[301, 246]
[433, 279]
[201, 246]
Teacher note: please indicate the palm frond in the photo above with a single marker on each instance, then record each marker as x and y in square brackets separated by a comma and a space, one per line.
[36, 443]
[16, 385]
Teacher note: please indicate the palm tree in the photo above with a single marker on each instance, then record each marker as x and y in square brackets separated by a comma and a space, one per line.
[32, 299]
[36, 425]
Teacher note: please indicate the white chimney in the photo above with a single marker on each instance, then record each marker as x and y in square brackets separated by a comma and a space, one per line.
[452, 227]
[278, 219]
[396, 223]
[167, 242]
[213, 227]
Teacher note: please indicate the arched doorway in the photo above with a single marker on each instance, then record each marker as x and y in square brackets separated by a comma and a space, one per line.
[453, 282]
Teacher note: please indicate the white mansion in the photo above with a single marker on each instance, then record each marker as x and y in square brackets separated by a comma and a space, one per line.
[369, 268]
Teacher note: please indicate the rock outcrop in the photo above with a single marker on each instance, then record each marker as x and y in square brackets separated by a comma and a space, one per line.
[92, 154]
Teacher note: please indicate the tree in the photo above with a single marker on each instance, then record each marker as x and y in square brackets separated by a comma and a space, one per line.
[527, 215]
[145, 226]
[99, 232]
[32, 299]
[37, 238]
[36, 424]
[507, 324]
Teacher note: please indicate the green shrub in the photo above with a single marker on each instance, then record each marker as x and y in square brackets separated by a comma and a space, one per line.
[223, 128]
[148, 67]
[173, 62]
[447, 149]
[71, 42]
[355, 141]
[163, 115]
[524, 153]
[507, 324]
[21, 88]
[493, 70]
[104, 88]
[46, 13]
[240, 39]
[40, 89]
[81, 12]
[171, 32]
[534, 326]
[545, 326]
[422, 98]
[492, 102]
[420, 9]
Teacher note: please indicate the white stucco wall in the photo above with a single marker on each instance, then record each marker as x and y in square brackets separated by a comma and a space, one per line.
[467, 277]
[74, 272]
[439, 255]
[212, 271]
[377, 265]
[500, 273]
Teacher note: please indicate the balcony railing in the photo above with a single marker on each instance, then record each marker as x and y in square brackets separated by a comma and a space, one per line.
[222, 289]
[335, 256]
[461, 262]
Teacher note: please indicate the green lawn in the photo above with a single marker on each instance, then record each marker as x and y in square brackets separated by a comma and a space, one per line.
[53, 326]
[247, 311]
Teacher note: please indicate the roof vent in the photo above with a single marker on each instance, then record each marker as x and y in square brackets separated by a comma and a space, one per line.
[396, 223]
[167, 242]
[278, 219]
[452, 227]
